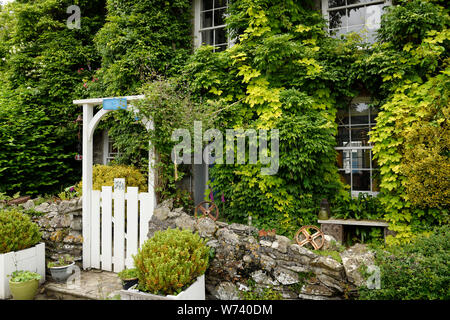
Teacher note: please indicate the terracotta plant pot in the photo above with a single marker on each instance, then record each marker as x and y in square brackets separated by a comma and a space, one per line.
[24, 290]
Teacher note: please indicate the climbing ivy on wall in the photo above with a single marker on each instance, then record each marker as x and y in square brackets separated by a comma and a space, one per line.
[40, 72]
[279, 74]
[141, 41]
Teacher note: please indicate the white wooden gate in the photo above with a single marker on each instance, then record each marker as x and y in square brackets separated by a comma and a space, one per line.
[119, 226]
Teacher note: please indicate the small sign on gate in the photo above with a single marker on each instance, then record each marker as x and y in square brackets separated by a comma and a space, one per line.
[119, 184]
[114, 103]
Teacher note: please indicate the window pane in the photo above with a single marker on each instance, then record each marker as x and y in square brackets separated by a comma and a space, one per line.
[219, 17]
[373, 115]
[221, 37]
[359, 113]
[345, 177]
[361, 180]
[338, 19]
[207, 37]
[206, 19]
[336, 3]
[343, 160]
[207, 4]
[220, 3]
[343, 137]
[342, 117]
[356, 16]
[361, 159]
[360, 137]
[373, 17]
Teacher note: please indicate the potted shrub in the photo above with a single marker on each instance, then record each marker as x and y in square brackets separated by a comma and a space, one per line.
[61, 269]
[170, 265]
[24, 284]
[19, 247]
[129, 278]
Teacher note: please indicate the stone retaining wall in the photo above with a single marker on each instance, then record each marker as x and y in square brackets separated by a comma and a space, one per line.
[60, 223]
[279, 263]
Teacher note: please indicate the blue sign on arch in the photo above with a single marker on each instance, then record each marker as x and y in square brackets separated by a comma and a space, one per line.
[115, 103]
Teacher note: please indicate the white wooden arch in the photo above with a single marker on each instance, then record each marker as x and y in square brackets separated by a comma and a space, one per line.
[90, 123]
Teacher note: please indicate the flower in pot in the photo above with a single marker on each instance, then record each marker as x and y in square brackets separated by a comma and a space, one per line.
[24, 284]
[61, 269]
[172, 262]
[129, 278]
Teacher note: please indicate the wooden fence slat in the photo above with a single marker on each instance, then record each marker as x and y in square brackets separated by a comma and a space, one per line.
[95, 227]
[132, 225]
[119, 230]
[146, 212]
[106, 228]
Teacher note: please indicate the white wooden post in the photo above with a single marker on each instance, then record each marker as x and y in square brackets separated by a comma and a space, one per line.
[88, 111]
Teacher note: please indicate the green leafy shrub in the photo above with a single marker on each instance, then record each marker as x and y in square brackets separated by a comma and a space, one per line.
[259, 293]
[127, 274]
[63, 261]
[418, 270]
[104, 175]
[171, 261]
[363, 207]
[17, 231]
[24, 276]
[39, 59]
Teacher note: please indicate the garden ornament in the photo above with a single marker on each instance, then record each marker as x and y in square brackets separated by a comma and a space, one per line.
[209, 209]
[304, 236]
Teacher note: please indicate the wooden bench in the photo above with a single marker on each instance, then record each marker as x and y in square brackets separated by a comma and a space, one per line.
[335, 227]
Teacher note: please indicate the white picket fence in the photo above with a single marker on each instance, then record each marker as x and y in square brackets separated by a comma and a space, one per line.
[119, 226]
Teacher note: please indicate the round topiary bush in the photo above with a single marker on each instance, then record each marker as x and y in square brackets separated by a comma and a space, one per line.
[171, 261]
[104, 175]
[17, 231]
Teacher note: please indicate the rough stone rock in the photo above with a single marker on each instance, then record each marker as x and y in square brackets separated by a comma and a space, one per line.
[167, 204]
[185, 221]
[265, 243]
[331, 283]
[227, 291]
[43, 207]
[302, 251]
[316, 290]
[28, 205]
[213, 244]
[161, 213]
[242, 229]
[174, 214]
[281, 243]
[227, 236]
[353, 258]
[267, 262]
[285, 276]
[156, 225]
[60, 221]
[73, 237]
[261, 277]
[297, 268]
[206, 227]
[329, 243]
[327, 263]
[76, 224]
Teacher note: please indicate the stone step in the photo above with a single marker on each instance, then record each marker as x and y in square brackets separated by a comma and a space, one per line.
[91, 285]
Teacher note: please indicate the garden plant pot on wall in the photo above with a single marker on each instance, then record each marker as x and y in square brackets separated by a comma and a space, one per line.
[32, 259]
[60, 274]
[24, 290]
[195, 292]
[128, 283]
